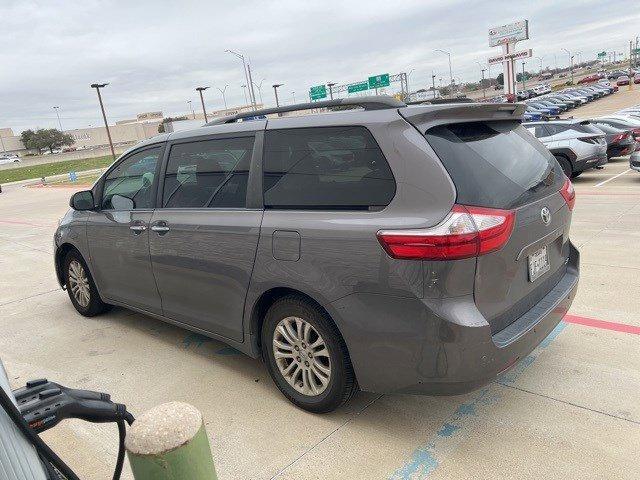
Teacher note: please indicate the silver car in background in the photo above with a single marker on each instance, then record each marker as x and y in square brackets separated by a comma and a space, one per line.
[576, 144]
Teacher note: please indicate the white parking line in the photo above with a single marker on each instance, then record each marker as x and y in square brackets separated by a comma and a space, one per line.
[612, 178]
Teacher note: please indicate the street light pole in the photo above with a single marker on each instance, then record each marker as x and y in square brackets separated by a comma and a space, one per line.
[244, 90]
[192, 110]
[433, 84]
[275, 91]
[571, 63]
[330, 85]
[294, 97]
[98, 86]
[523, 75]
[224, 99]
[450, 71]
[260, 91]
[204, 110]
[252, 92]
[58, 115]
[244, 65]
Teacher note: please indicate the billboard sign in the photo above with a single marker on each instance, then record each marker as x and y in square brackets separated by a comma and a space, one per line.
[511, 33]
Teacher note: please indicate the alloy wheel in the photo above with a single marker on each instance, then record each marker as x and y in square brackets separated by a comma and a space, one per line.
[79, 284]
[301, 356]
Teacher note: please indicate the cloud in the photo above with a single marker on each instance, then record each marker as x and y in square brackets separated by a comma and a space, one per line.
[154, 53]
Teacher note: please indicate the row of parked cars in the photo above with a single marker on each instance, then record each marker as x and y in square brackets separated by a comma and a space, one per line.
[579, 145]
[552, 104]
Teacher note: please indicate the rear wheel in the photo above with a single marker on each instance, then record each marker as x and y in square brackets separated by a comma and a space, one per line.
[565, 164]
[81, 287]
[306, 356]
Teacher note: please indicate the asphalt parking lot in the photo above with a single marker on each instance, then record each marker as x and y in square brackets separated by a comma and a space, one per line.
[571, 409]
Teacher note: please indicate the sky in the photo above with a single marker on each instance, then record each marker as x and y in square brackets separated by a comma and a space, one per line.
[154, 53]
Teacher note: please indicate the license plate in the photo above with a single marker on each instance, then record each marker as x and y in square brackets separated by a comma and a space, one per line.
[538, 264]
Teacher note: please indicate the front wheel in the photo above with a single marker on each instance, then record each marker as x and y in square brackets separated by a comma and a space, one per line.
[306, 356]
[81, 287]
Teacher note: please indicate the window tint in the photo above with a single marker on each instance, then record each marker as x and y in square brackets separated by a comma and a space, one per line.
[495, 164]
[210, 173]
[130, 184]
[325, 168]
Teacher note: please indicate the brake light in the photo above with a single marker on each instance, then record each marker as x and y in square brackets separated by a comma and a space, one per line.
[466, 232]
[568, 193]
[620, 137]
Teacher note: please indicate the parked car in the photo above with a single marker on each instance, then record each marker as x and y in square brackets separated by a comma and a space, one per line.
[616, 74]
[551, 110]
[542, 89]
[352, 249]
[589, 79]
[623, 122]
[574, 143]
[8, 158]
[634, 161]
[619, 142]
[622, 80]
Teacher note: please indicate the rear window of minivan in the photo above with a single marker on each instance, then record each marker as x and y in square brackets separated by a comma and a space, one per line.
[495, 164]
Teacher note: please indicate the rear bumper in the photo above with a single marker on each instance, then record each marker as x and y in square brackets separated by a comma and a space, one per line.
[592, 160]
[403, 345]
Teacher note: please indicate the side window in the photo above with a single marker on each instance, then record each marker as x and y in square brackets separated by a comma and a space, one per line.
[325, 168]
[538, 131]
[129, 185]
[208, 174]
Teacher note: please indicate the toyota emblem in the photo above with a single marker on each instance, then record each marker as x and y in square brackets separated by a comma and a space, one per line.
[545, 214]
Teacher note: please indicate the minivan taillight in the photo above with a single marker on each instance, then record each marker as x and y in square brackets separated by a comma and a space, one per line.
[568, 193]
[466, 232]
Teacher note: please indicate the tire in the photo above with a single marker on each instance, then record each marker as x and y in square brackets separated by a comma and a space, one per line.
[565, 164]
[78, 279]
[310, 392]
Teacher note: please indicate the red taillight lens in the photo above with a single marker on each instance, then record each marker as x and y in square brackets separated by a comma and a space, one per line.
[620, 137]
[466, 232]
[568, 193]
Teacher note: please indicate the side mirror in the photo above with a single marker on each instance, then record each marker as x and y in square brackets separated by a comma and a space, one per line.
[82, 200]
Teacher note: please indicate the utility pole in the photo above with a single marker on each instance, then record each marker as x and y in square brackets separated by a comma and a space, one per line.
[204, 110]
[571, 63]
[330, 85]
[484, 88]
[193, 112]
[450, 71]
[251, 90]
[224, 99]
[58, 115]
[275, 92]
[244, 66]
[98, 86]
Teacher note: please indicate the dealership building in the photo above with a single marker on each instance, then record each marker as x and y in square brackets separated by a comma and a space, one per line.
[124, 132]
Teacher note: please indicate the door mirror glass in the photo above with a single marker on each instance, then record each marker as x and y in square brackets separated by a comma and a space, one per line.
[119, 202]
[82, 200]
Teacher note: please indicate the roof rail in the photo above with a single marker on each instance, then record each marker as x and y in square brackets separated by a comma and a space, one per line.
[378, 102]
[440, 101]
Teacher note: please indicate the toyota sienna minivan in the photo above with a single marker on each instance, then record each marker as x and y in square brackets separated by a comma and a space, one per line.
[389, 248]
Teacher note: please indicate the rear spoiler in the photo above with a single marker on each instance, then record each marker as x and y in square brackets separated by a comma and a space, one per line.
[428, 116]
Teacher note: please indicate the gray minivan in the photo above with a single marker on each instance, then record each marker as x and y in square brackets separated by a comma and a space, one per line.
[390, 248]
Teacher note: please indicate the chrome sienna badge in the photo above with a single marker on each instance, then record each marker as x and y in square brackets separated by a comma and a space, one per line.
[545, 214]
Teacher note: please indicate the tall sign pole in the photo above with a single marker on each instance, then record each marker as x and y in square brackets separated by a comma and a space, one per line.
[507, 36]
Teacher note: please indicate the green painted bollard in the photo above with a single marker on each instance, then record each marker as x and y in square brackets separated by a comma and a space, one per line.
[169, 442]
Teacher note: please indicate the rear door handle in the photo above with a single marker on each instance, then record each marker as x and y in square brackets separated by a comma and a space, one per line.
[160, 227]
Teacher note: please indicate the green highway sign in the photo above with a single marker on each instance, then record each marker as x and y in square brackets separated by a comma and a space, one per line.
[602, 54]
[636, 51]
[378, 81]
[318, 92]
[358, 87]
